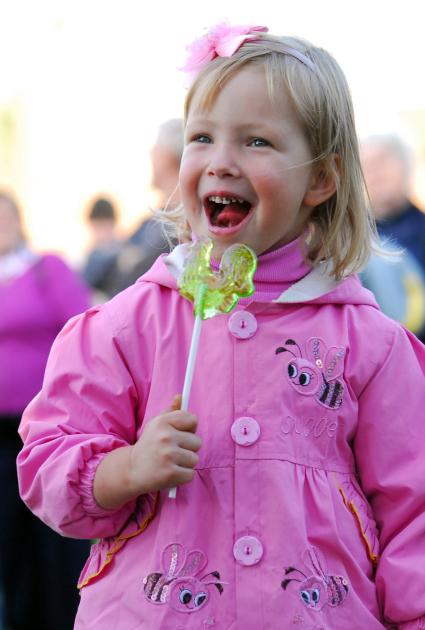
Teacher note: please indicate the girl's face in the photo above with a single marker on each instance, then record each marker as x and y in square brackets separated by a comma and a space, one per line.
[246, 174]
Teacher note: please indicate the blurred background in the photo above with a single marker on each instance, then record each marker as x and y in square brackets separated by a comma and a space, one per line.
[84, 85]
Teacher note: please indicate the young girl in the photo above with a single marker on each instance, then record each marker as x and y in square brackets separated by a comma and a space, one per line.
[300, 465]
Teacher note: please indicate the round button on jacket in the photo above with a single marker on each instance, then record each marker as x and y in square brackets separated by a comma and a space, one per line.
[248, 550]
[242, 324]
[245, 431]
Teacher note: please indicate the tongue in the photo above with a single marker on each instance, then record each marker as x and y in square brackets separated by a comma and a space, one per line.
[231, 215]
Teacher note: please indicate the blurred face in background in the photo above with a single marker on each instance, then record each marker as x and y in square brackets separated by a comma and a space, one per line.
[165, 174]
[10, 227]
[386, 179]
[103, 231]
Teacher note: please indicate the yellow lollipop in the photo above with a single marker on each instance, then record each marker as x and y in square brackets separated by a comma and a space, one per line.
[213, 292]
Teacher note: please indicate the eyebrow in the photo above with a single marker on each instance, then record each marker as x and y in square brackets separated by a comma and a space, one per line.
[257, 125]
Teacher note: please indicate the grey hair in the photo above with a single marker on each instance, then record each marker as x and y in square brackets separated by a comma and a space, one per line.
[171, 136]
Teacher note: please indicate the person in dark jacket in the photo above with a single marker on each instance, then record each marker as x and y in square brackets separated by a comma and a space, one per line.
[398, 282]
[387, 167]
[99, 267]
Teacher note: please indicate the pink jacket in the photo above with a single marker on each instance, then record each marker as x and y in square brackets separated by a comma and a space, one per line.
[308, 507]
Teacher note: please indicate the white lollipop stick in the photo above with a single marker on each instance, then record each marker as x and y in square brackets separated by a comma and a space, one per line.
[188, 376]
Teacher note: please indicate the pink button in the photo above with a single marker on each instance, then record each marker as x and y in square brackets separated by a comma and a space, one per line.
[242, 324]
[248, 550]
[245, 431]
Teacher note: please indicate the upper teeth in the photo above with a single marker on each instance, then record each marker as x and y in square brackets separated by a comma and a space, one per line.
[217, 199]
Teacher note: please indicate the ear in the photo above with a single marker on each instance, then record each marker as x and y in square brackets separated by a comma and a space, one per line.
[323, 182]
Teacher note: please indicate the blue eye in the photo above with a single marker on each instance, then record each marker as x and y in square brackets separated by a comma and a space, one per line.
[202, 138]
[305, 596]
[315, 595]
[259, 142]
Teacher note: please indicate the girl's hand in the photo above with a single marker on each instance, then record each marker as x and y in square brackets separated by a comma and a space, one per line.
[164, 456]
[166, 453]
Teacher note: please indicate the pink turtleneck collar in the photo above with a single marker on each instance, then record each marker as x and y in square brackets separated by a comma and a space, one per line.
[276, 272]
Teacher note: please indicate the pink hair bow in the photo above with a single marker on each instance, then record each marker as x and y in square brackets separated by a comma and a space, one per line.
[221, 41]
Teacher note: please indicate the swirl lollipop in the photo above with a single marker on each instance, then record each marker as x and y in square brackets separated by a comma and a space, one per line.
[212, 293]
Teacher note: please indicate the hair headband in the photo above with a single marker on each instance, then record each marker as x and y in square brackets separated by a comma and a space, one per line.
[224, 40]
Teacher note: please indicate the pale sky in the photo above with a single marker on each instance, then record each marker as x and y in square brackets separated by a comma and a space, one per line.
[88, 81]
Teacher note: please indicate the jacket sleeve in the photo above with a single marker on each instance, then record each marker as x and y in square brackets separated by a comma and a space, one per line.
[86, 408]
[390, 452]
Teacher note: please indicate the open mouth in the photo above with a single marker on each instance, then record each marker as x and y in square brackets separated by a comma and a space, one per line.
[226, 212]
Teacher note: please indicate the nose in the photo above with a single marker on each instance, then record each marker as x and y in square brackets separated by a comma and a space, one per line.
[223, 164]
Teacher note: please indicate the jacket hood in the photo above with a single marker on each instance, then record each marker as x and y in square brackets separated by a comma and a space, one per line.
[316, 287]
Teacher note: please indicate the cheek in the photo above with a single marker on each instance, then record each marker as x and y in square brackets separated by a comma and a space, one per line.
[264, 180]
[184, 178]
[277, 193]
[188, 175]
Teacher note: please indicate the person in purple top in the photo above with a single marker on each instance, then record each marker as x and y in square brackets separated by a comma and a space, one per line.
[38, 294]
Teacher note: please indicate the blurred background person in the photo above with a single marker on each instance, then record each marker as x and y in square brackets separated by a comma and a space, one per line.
[99, 267]
[387, 166]
[166, 155]
[397, 281]
[38, 293]
[148, 241]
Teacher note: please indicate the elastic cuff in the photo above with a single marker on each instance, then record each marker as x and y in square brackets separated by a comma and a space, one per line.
[90, 506]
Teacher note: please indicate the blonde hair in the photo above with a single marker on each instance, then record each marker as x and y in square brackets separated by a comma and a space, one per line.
[341, 229]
